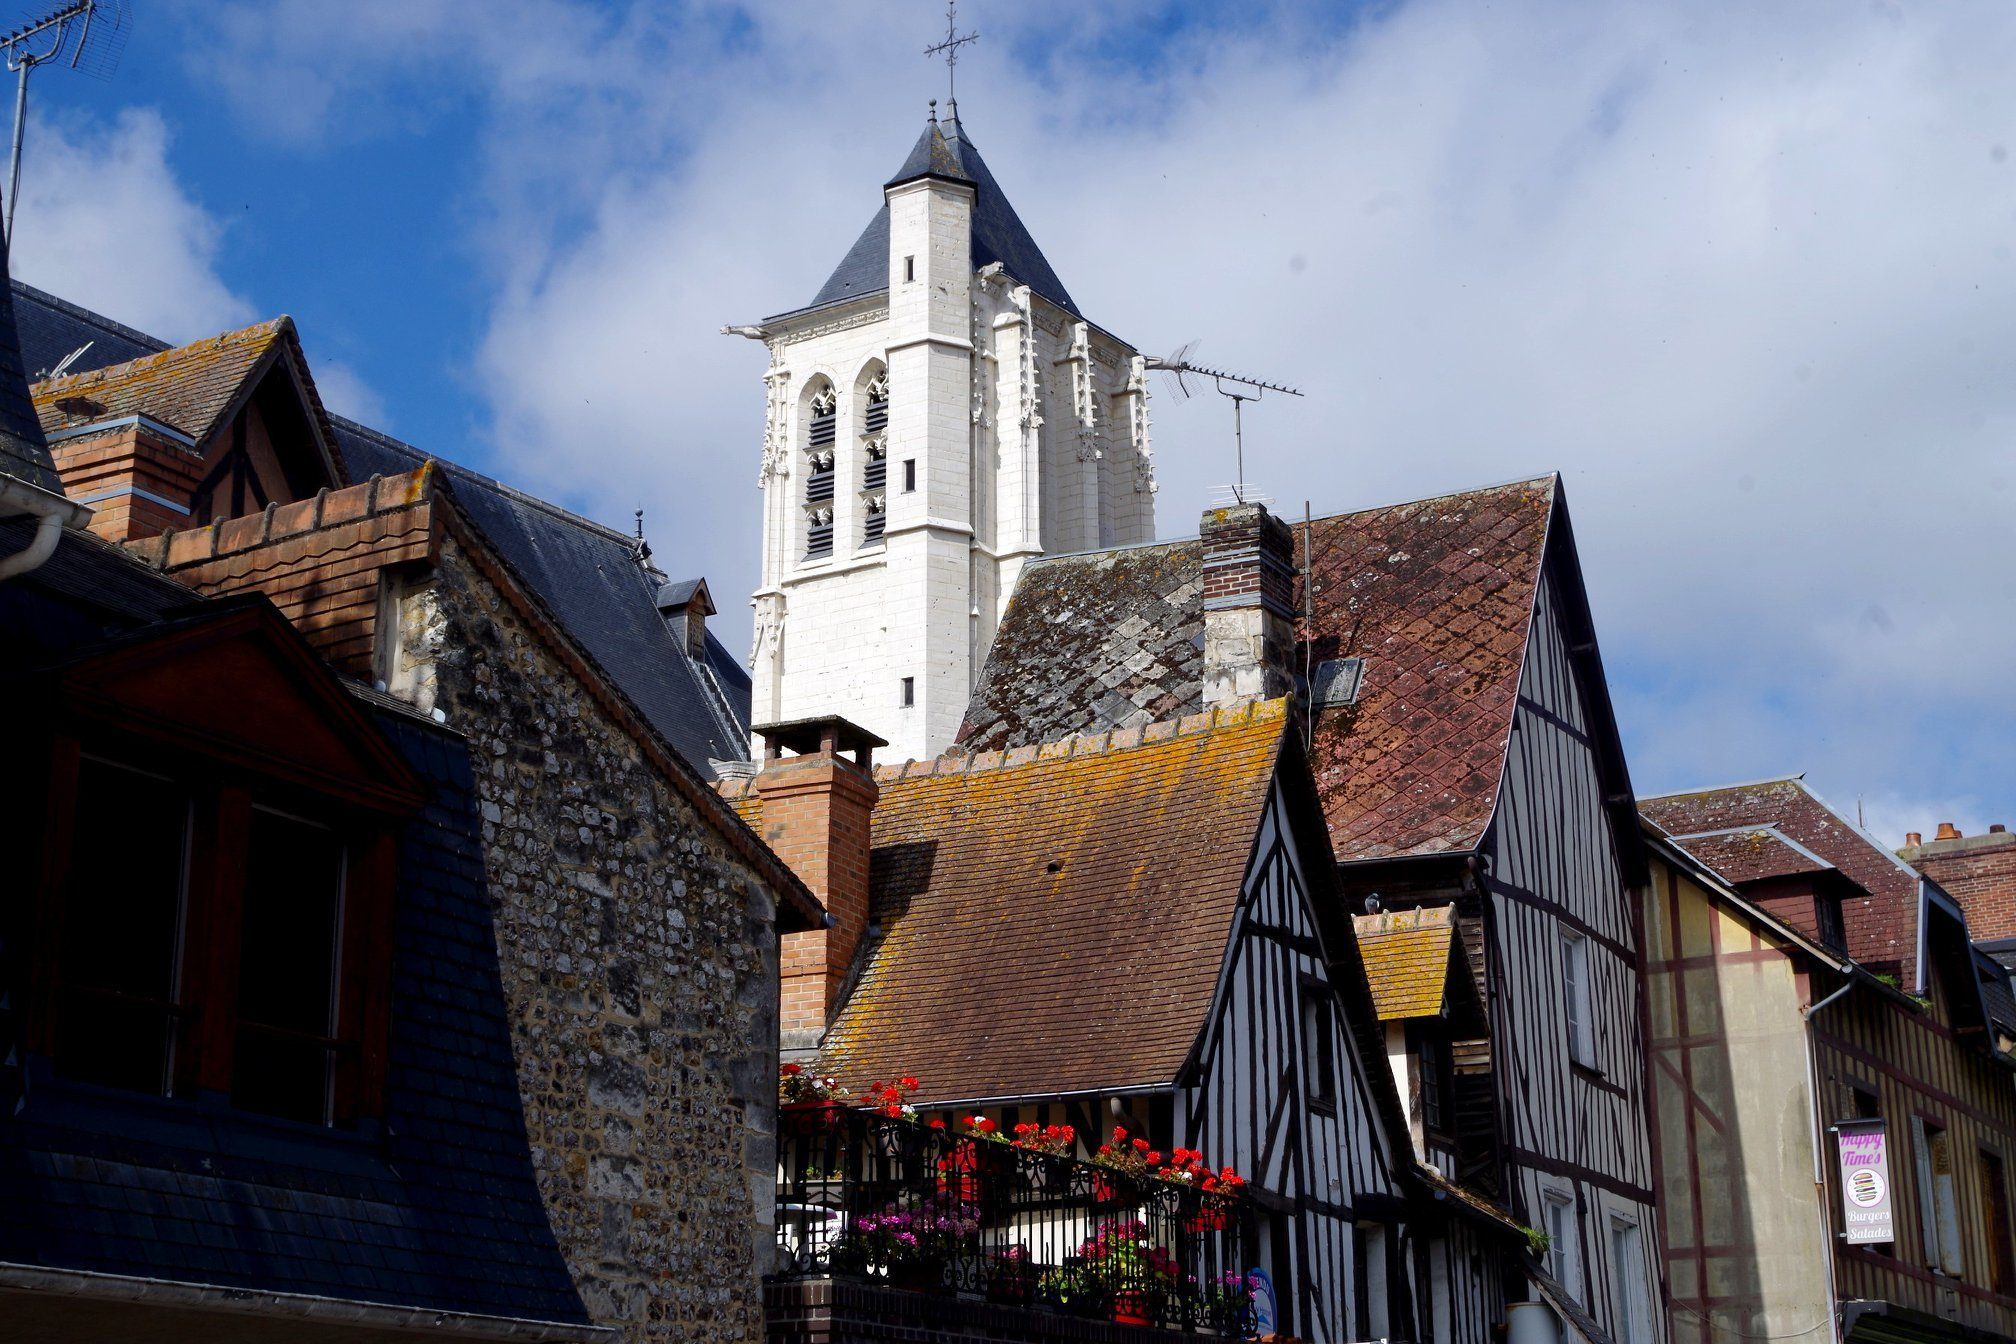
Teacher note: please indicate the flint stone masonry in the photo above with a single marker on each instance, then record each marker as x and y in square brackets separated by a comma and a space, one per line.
[639, 963]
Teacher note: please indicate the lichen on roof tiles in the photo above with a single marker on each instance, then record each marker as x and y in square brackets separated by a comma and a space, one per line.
[1056, 924]
[187, 388]
[1406, 956]
[1436, 596]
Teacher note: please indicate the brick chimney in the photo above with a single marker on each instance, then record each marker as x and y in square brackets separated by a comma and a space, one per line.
[1249, 612]
[817, 806]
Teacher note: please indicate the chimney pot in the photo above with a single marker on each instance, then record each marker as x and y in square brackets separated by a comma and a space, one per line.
[1948, 831]
[1998, 829]
[1912, 839]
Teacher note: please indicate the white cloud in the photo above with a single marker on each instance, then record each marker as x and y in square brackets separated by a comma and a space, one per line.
[104, 222]
[344, 392]
[1743, 273]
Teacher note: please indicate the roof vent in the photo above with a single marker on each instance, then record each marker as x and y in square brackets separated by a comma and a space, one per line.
[1336, 684]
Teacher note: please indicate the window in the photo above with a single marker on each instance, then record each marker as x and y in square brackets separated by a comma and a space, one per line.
[1563, 1240]
[1827, 920]
[287, 969]
[820, 432]
[909, 268]
[1319, 1046]
[909, 475]
[909, 692]
[1995, 1213]
[1627, 1266]
[1938, 1211]
[1371, 1281]
[1863, 1103]
[874, 458]
[121, 951]
[1434, 1059]
[1575, 994]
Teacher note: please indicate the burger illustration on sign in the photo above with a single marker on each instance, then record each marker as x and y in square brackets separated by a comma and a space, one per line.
[1865, 1187]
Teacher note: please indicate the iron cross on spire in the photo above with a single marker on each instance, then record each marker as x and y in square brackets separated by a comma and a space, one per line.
[949, 48]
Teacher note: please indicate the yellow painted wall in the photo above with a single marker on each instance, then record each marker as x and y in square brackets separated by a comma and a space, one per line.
[1746, 1249]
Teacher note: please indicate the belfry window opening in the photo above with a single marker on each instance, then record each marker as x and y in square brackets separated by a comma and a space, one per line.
[821, 431]
[875, 459]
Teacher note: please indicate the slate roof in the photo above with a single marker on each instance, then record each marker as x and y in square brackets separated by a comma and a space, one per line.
[1881, 925]
[1436, 596]
[582, 570]
[1054, 922]
[1406, 955]
[24, 454]
[945, 150]
[440, 1210]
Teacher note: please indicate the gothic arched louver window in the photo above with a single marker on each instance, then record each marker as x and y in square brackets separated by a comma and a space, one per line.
[819, 438]
[875, 459]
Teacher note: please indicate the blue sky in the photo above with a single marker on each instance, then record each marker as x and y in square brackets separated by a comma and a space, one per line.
[1742, 273]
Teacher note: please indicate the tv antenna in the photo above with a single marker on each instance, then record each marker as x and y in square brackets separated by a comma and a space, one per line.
[1236, 387]
[87, 35]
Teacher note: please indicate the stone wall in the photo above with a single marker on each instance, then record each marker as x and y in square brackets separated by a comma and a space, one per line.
[639, 960]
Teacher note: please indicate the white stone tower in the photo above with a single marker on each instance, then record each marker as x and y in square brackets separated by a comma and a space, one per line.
[936, 417]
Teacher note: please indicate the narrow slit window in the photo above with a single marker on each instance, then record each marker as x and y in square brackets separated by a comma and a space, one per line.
[287, 978]
[909, 692]
[1576, 998]
[1319, 1049]
[122, 929]
[909, 475]
[909, 268]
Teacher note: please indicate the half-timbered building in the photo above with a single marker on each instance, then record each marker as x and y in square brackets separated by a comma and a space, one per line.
[1140, 928]
[1465, 755]
[1805, 983]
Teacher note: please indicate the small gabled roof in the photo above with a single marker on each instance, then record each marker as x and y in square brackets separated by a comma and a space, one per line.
[194, 389]
[1881, 925]
[1753, 853]
[1054, 921]
[1407, 956]
[947, 152]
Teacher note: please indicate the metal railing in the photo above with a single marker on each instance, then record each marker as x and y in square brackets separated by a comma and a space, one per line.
[896, 1202]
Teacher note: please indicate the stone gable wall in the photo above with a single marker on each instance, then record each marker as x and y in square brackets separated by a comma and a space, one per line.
[639, 960]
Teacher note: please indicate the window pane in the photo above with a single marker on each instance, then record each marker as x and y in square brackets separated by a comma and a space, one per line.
[287, 968]
[122, 928]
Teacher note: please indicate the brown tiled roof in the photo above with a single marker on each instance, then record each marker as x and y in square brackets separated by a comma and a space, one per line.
[1053, 920]
[1752, 853]
[188, 388]
[1436, 596]
[1881, 926]
[1406, 955]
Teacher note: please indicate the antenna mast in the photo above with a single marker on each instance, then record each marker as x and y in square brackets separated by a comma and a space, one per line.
[1237, 387]
[88, 34]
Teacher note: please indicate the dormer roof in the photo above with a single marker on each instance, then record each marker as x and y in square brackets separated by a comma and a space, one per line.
[945, 151]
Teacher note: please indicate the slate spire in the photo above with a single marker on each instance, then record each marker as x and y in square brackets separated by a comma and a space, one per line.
[24, 453]
[945, 151]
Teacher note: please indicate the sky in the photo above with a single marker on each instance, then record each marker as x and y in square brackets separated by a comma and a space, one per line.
[1742, 273]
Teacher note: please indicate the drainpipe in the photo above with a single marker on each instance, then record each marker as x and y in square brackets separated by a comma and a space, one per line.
[52, 513]
[1806, 1016]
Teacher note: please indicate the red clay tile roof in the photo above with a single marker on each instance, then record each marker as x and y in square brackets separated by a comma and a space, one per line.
[1752, 853]
[1881, 926]
[1436, 596]
[1406, 956]
[188, 388]
[1054, 920]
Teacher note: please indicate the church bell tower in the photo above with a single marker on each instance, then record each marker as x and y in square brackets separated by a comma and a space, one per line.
[937, 417]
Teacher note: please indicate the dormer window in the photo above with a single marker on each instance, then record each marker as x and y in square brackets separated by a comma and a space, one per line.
[821, 432]
[874, 458]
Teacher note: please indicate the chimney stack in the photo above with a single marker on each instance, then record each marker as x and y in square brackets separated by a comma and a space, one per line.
[1948, 831]
[817, 806]
[1249, 611]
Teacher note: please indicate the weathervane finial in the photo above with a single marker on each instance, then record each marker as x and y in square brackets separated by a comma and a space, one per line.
[949, 48]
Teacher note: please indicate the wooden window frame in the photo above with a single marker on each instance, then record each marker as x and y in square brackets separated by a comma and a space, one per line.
[212, 924]
[1432, 1051]
[1998, 1230]
[1314, 996]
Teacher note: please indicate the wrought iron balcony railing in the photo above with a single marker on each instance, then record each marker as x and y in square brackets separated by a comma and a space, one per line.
[899, 1203]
